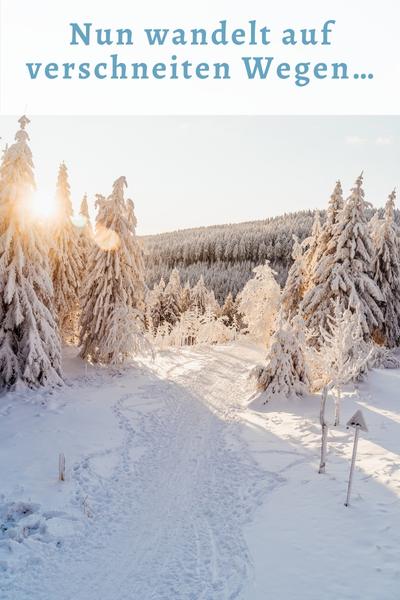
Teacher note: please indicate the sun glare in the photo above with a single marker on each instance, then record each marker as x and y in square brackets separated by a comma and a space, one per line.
[42, 207]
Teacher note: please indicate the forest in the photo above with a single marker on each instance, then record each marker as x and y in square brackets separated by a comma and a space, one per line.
[225, 255]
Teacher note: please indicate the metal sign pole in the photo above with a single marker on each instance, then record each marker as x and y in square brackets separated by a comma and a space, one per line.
[353, 462]
[358, 422]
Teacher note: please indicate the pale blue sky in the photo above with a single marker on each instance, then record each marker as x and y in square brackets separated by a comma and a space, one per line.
[191, 171]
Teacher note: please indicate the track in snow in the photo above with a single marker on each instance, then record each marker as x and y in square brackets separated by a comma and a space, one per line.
[168, 522]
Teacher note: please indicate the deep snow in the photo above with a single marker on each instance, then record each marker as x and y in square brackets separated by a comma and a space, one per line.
[177, 487]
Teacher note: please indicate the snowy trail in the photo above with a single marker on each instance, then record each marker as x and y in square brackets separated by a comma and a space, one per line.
[168, 522]
[177, 488]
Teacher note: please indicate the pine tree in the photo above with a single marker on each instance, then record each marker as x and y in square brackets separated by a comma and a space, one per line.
[311, 247]
[173, 299]
[186, 297]
[293, 291]
[229, 312]
[66, 260]
[213, 304]
[285, 373]
[200, 296]
[113, 292]
[29, 340]
[386, 268]
[156, 305]
[85, 235]
[335, 207]
[343, 273]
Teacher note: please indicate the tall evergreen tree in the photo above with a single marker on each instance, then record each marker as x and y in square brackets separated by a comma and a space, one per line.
[29, 340]
[334, 209]
[173, 298]
[155, 305]
[113, 291]
[200, 296]
[311, 247]
[186, 297]
[85, 234]
[229, 312]
[293, 291]
[66, 260]
[386, 268]
[343, 273]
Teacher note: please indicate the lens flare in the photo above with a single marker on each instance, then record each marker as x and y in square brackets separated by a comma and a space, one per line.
[79, 221]
[106, 239]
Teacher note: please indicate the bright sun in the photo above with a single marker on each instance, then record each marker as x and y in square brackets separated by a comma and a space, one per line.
[42, 207]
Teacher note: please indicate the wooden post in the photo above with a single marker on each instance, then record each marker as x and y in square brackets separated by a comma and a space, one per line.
[61, 467]
[324, 427]
[338, 398]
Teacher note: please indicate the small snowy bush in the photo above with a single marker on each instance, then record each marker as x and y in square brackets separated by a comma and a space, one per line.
[285, 373]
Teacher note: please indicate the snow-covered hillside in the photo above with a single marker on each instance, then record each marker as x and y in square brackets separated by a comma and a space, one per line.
[178, 487]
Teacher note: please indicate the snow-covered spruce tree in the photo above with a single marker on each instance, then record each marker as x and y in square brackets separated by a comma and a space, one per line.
[306, 255]
[334, 209]
[259, 302]
[66, 260]
[229, 312]
[186, 298]
[200, 296]
[386, 269]
[213, 304]
[311, 247]
[285, 373]
[155, 304]
[344, 272]
[85, 233]
[29, 340]
[172, 299]
[293, 291]
[113, 291]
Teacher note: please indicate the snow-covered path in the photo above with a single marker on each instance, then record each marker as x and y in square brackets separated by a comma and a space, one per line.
[176, 488]
[167, 522]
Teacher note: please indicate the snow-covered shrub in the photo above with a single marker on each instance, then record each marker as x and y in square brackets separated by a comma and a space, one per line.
[125, 336]
[259, 303]
[344, 355]
[214, 330]
[285, 373]
[195, 328]
[383, 358]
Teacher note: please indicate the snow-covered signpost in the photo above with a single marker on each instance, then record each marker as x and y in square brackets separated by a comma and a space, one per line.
[357, 422]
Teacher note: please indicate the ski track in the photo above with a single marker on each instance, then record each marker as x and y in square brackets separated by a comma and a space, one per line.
[168, 522]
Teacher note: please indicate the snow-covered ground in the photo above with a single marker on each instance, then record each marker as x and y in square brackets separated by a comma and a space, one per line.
[178, 488]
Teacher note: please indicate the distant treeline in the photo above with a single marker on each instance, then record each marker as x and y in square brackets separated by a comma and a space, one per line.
[226, 254]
